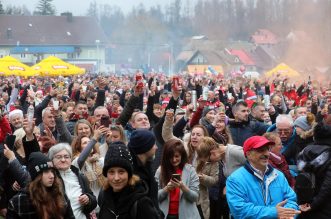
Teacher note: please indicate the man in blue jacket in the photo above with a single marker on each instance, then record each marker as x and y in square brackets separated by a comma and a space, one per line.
[257, 190]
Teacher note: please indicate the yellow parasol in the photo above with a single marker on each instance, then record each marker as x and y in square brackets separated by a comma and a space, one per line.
[53, 66]
[11, 66]
[283, 70]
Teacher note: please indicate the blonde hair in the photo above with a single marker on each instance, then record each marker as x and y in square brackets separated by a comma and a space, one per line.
[203, 151]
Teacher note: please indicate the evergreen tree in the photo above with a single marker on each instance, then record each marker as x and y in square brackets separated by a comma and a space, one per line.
[92, 11]
[1, 9]
[45, 7]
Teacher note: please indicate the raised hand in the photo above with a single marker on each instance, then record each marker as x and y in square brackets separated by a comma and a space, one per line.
[28, 127]
[170, 115]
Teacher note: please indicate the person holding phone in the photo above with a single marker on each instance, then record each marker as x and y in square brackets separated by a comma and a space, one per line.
[178, 183]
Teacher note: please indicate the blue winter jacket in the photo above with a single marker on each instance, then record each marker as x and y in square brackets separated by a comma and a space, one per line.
[249, 196]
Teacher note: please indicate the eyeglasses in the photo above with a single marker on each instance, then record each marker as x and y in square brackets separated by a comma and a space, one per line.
[283, 131]
[60, 157]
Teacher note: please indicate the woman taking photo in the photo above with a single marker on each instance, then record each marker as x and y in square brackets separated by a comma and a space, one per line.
[125, 195]
[178, 183]
[86, 157]
[44, 196]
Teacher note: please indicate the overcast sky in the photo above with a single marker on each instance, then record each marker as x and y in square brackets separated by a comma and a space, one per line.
[79, 7]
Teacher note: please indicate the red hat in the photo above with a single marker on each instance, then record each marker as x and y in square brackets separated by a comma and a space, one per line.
[250, 97]
[165, 102]
[255, 142]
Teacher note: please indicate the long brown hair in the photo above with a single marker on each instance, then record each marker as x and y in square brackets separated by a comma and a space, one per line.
[169, 149]
[49, 202]
[190, 148]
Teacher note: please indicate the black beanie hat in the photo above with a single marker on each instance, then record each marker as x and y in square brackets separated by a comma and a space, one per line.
[141, 141]
[322, 131]
[118, 155]
[38, 162]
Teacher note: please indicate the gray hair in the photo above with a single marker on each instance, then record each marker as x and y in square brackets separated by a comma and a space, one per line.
[284, 118]
[47, 109]
[15, 112]
[57, 148]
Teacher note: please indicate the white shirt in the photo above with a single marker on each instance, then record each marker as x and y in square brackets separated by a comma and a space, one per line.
[73, 191]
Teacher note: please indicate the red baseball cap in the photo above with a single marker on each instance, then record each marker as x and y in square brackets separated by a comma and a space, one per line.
[255, 142]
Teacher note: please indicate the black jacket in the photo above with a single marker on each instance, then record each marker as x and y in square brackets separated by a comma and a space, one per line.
[21, 207]
[321, 204]
[240, 131]
[83, 182]
[130, 203]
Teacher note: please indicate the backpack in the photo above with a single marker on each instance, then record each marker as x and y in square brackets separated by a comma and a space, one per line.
[305, 186]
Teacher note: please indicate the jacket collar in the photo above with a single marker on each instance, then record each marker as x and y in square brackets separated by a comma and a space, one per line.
[251, 170]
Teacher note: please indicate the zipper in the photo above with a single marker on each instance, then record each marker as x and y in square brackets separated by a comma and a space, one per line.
[116, 216]
[263, 192]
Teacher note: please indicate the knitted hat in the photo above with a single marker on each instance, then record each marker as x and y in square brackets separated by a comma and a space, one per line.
[141, 141]
[207, 110]
[302, 123]
[322, 131]
[118, 155]
[38, 162]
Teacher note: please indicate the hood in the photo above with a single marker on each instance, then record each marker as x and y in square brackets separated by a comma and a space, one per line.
[313, 158]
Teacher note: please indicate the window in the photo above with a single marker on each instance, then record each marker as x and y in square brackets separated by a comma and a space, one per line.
[23, 55]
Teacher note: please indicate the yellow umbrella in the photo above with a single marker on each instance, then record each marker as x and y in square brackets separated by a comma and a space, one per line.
[11, 66]
[283, 70]
[53, 66]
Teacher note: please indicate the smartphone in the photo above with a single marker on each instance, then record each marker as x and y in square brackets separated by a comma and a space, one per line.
[56, 104]
[139, 81]
[10, 141]
[266, 101]
[176, 176]
[175, 83]
[105, 121]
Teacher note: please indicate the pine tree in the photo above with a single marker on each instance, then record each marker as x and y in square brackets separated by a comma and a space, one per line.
[45, 7]
[1, 9]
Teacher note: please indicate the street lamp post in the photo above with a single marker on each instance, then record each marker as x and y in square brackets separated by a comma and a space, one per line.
[170, 46]
[97, 42]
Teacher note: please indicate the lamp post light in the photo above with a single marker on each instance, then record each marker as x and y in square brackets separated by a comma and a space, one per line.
[97, 42]
[170, 47]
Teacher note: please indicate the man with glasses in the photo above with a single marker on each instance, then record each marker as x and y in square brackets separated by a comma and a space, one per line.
[257, 190]
[285, 128]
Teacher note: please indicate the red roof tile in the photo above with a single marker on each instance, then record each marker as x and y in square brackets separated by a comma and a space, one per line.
[264, 36]
[243, 56]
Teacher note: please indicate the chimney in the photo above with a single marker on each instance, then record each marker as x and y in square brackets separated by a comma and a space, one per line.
[68, 15]
[9, 33]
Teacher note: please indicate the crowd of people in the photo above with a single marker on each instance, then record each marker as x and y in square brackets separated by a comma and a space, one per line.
[154, 146]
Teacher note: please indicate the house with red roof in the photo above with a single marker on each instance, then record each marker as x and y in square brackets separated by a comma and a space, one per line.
[264, 37]
[244, 58]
